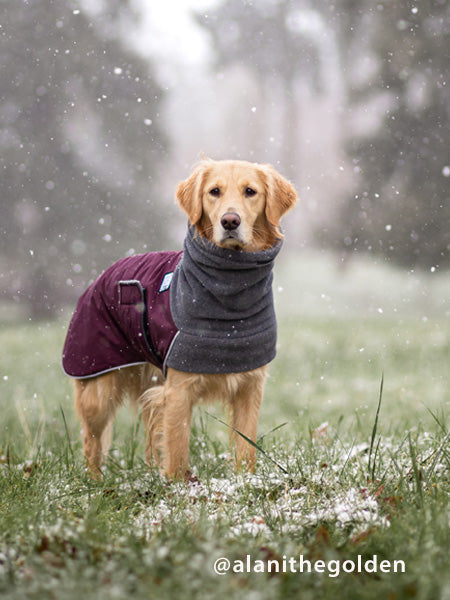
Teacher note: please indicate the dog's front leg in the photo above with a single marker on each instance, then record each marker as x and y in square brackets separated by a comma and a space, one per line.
[177, 429]
[244, 419]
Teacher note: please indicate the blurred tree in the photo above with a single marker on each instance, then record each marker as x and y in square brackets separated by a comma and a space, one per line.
[273, 41]
[396, 57]
[81, 143]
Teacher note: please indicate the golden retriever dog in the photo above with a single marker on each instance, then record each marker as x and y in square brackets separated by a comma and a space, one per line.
[234, 210]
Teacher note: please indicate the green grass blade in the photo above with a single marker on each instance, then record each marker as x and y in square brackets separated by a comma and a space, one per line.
[375, 427]
[441, 425]
[251, 442]
[435, 457]
[273, 430]
[375, 458]
[415, 469]
[69, 442]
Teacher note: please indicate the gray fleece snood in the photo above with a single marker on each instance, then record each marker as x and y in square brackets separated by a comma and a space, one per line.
[222, 304]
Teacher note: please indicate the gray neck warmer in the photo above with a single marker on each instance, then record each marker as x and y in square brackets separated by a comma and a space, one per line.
[222, 304]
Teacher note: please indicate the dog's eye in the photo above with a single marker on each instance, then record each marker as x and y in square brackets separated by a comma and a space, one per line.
[215, 192]
[249, 192]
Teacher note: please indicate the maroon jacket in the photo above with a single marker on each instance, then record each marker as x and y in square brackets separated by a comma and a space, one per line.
[124, 317]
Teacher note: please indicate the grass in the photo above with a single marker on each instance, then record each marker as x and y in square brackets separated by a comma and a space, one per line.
[367, 465]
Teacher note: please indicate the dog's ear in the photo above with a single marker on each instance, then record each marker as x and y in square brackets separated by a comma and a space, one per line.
[189, 193]
[280, 197]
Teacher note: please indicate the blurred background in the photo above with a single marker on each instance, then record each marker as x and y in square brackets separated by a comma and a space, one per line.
[105, 105]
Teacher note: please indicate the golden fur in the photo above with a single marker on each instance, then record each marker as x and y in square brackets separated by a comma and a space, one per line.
[258, 197]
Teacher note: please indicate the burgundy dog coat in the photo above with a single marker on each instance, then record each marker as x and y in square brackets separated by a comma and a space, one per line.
[124, 317]
[205, 310]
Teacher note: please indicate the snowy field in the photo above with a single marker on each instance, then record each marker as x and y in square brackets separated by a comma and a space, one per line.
[346, 500]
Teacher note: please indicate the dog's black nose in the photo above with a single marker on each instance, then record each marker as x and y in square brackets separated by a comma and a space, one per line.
[230, 221]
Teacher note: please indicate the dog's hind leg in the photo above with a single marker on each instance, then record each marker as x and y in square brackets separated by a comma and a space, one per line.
[152, 402]
[96, 401]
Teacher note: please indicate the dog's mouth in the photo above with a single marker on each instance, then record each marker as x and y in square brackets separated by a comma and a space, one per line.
[231, 239]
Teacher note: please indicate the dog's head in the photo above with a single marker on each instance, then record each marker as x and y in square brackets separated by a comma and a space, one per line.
[236, 204]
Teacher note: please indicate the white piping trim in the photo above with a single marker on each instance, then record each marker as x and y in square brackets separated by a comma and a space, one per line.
[144, 362]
